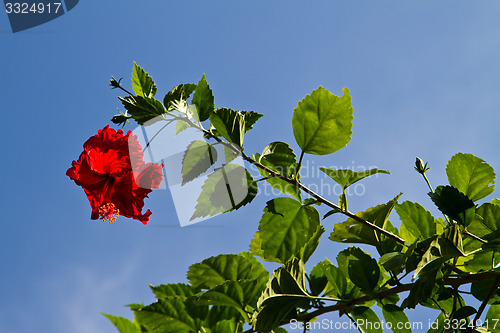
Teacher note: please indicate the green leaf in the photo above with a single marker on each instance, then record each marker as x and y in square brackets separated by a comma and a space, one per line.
[366, 319]
[352, 231]
[317, 279]
[463, 312]
[279, 157]
[471, 175]
[322, 122]
[417, 223]
[453, 203]
[250, 118]
[284, 291]
[142, 83]
[172, 315]
[229, 124]
[215, 271]
[142, 109]
[237, 294]
[279, 184]
[481, 289]
[227, 188]
[425, 287]
[198, 157]
[123, 324]
[495, 201]
[178, 93]
[337, 281]
[487, 226]
[204, 99]
[398, 320]
[224, 326]
[285, 227]
[308, 248]
[364, 272]
[347, 177]
[173, 290]
[392, 261]
[445, 246]
[343, 258]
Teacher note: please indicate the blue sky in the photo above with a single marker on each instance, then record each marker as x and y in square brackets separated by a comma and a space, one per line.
[423, 78]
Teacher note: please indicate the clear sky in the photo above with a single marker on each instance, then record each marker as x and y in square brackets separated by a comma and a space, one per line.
[424, 78]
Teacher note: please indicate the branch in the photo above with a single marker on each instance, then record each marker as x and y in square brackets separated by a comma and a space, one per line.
[341, 306]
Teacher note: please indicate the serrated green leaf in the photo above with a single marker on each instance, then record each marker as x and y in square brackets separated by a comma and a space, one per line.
[352, 231]
[317, 279]
[453, 203]
[198, 157]
[366, 319]
[417, 223]
[279, 157]
[237, 294]
[123, 324]
[392, 261]
[173, 290]
[347, 177]
[285, 227]
[142, 84]
[394, 315]
[225, 326]
[215, 271]
[322, 122]
[251, 118]
[172, 315]
[337, 281]
[278, 183]
[445, 246]
[203, 98]
[308, 248]
[284, 291]
[495, 201]
[364, 272]
[178, 93]
[471, 175]
[229, 124]
[227, 188]
[142, 109]
[425, 287]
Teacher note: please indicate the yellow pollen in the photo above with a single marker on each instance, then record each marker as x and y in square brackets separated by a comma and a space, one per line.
[108, 212]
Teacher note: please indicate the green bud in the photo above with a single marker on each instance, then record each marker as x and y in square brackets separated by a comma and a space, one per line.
[420, 167]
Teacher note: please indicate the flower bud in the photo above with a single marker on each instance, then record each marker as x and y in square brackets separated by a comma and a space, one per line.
[420, 167]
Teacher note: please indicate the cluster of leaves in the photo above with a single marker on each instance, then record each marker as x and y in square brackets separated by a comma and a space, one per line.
[429, 257]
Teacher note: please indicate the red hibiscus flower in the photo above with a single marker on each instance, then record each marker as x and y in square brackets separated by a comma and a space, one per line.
[114, 176]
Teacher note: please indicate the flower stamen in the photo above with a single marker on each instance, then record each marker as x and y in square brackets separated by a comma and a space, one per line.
[108, 212]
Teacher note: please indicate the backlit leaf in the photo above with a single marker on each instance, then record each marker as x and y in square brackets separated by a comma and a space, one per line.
[142, 84]
[471, 175]
[215, 271]
[203, 99]
[322, 122]
[347, 177]
[285, 227]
